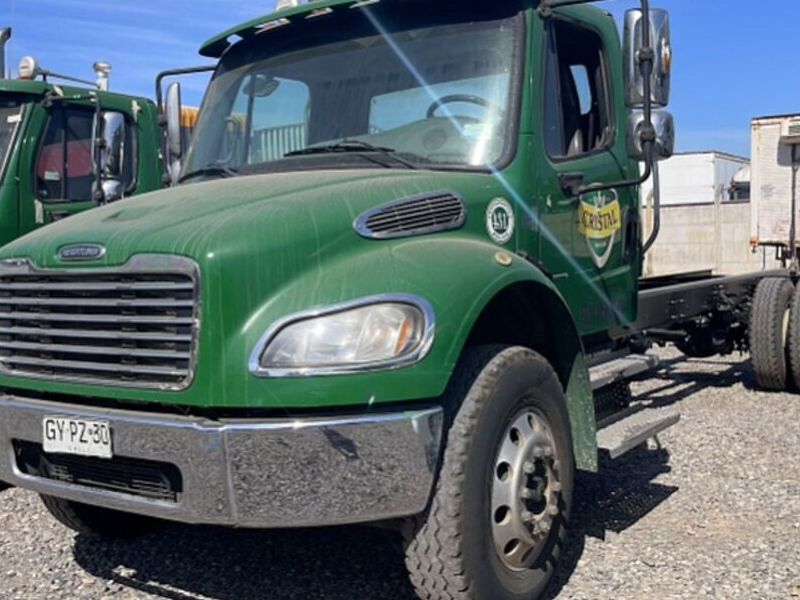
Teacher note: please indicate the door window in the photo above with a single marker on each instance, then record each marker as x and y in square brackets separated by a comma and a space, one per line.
[577, 115]
[65, 165]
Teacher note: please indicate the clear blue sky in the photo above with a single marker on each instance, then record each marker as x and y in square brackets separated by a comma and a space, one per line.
[734, 59]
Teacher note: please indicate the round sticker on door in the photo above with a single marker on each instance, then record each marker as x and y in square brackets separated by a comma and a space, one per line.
[500, 220]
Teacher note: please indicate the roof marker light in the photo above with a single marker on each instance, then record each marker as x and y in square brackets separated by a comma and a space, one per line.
[287, 4]
[274, 24]
[319, 12]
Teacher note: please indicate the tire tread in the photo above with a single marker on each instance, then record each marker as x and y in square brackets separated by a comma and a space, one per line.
[433, 542]
[768, 354]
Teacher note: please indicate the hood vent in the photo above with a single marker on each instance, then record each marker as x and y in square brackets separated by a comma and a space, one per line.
[418, 215]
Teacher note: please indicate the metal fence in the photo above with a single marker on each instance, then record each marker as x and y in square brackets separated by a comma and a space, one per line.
[275, 142]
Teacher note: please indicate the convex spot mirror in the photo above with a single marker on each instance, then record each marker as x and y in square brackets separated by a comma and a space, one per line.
[664, 126]
[662, 58]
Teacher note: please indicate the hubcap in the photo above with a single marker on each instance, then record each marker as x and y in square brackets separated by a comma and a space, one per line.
[525, 490]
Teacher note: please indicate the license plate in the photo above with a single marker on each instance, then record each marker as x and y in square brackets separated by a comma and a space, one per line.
[86, 437]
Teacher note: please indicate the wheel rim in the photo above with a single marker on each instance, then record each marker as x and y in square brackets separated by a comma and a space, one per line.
[525, 490]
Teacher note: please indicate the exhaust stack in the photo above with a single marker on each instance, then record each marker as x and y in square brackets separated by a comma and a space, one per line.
[5, 35]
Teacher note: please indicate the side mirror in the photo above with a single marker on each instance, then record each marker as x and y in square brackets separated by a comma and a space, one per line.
[112, 151]
[172, 112]
[664, 125]
[662, 59]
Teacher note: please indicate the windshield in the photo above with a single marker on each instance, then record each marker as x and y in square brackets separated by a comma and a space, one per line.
[10, 117]
[435, 95]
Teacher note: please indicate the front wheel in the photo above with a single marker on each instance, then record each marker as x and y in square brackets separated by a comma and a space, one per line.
[95, 521]
[497, 522]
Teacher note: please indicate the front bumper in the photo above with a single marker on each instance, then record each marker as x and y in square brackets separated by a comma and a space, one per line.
[248, 472]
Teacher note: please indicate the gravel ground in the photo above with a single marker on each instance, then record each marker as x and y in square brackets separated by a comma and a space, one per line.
[713, 513]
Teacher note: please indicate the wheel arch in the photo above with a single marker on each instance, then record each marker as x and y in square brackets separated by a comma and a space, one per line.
[533, 314]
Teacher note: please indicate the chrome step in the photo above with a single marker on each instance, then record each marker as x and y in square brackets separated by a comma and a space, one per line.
[632, 428]
[619, 369]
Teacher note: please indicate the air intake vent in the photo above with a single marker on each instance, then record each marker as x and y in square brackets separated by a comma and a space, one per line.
[143, 478]
[418, 215]
[133, 326]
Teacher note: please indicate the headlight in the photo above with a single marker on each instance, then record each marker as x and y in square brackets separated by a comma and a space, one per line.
[379, 332]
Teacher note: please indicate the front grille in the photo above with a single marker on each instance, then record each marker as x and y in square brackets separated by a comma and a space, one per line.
[419, 215]
[133, 326]
[143, 478]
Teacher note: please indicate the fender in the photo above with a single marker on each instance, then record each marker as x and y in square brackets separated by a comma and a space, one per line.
[460, 276]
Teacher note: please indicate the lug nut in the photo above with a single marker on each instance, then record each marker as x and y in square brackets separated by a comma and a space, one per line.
[527, 516]
[544, 526]
[527, 494]
[555, 486]
[529, 468]
[537, 452]
[552, 510]
[548, 451]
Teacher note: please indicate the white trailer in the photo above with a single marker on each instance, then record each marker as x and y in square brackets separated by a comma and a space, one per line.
[774, 140]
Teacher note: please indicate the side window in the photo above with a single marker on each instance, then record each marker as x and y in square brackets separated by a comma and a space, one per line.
[65, 165]
[577, 116]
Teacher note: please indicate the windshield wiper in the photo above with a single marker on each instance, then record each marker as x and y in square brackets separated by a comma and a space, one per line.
[213, 170]
[354, 146]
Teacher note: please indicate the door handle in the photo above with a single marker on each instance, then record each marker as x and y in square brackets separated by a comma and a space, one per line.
[571, 182]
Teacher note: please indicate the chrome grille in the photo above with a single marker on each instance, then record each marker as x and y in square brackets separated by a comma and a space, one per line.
[418, 215]
[131, 326]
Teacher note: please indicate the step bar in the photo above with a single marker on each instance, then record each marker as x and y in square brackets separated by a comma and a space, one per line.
[629, 429]
[621, 368]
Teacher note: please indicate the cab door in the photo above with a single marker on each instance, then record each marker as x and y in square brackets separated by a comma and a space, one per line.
[592, 239]
[62, 180]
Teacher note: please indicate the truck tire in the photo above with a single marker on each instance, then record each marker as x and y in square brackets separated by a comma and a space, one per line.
[497, 522]
[95, 521]
[769, 328]
[793, 343]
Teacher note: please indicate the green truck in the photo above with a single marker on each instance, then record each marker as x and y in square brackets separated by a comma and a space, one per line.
[404, 290]
[51, 161]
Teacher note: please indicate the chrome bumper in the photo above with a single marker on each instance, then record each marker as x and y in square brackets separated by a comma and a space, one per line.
[252, 473]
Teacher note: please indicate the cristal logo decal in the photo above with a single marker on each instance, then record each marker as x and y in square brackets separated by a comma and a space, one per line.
[500, 220]
[599, 221]
[81, 252]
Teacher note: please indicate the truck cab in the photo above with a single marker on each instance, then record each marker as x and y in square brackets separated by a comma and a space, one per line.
[49, 156]
[412, 223]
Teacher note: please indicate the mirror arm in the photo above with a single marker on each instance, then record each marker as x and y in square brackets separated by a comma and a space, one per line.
[175, 73]
[646, 60]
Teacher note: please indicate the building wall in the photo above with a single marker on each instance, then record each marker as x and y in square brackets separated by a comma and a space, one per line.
[705, 237]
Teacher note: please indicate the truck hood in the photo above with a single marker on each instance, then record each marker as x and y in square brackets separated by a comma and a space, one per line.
[235, 216]
[270, 246]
